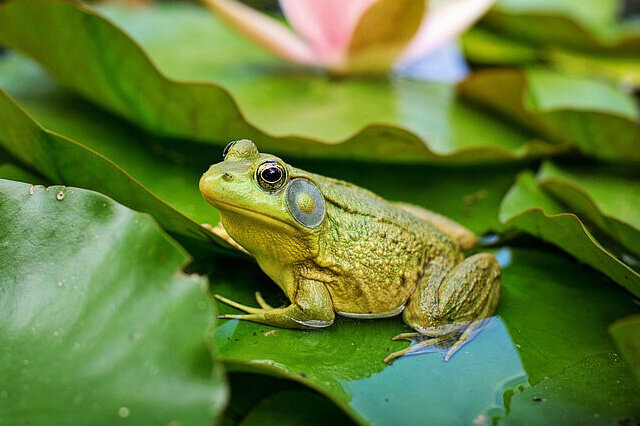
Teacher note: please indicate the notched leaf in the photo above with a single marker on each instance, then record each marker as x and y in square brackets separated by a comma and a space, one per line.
[528, 208]
[86, 322]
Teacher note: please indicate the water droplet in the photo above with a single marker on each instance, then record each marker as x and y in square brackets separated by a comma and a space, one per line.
[76, 346]
[202, 305]
[56, 333]
[60, 284]
[4, 394]
[25, 362]
[123, 412]
[60, 195]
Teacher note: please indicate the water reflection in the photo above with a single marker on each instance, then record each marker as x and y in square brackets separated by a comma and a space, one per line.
[469, 387]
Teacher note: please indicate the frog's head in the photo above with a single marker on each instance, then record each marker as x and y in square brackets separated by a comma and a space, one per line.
[267, 206]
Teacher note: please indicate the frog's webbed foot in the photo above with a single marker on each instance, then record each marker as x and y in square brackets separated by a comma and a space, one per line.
[412, 348]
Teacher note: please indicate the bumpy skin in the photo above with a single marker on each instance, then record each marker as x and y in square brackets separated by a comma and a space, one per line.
[367, 258]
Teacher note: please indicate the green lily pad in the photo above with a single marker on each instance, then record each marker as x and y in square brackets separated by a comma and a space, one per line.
[590, 25]
[579, 37]
[63, 160]
[603, 196]
[482, 46]
[592, 116]
[99, 323]
[12, 172]
[579, 396]
[535, 336]
[529, 208]
[626, 333]
[246, 94]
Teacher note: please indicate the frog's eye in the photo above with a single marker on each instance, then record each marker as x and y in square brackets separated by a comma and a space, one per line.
[305, 202]
[271, 175]
[227, 148]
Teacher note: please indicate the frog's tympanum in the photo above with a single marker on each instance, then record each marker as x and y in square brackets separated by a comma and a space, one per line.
[336, 248]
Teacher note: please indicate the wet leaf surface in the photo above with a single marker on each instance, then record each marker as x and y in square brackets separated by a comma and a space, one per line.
[626, 333]
[99, 323]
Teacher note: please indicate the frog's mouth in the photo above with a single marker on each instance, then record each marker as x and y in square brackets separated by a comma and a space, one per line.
[259, 216]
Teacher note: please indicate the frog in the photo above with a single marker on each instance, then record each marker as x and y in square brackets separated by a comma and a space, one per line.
[337, 249]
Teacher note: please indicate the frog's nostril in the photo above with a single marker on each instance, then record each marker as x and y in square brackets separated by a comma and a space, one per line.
[227, 176]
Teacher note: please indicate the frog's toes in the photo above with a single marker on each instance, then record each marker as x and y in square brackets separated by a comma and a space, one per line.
[406, 336]
[244, 308]
[262, 303]
[412, 348]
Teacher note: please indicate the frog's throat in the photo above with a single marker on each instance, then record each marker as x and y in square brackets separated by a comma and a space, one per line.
[252, 213]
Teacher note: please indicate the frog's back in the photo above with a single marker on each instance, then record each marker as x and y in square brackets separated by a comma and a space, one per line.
[352, 199]
[376, 250]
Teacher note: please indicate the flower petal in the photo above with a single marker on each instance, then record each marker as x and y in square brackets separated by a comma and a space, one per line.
[382, 33]
[264, 30]
[443, 22]
[326, 25]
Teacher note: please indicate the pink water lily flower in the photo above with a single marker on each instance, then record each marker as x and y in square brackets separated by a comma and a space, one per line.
[354, 36]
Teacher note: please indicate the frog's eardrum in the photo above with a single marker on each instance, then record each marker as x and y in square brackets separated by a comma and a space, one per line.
[305, 202]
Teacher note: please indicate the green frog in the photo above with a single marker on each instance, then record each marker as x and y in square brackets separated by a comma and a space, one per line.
[336, 248]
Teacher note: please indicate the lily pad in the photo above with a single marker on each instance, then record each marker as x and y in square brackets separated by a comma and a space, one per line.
[99, 323]
[592, 116]
[603, 196]
[579, 396]
[246, 94]
[63, 160]
[12, 172]
[587, 25]
[579, 37]
[529, 208]
[626, 333]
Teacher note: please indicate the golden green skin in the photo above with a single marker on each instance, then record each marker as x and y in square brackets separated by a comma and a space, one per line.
[368, 258]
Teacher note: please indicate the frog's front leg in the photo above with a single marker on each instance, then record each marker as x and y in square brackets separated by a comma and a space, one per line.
[454, 304]
[311, 308]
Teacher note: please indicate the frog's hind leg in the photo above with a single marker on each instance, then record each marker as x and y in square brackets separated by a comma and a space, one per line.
[468, 293]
